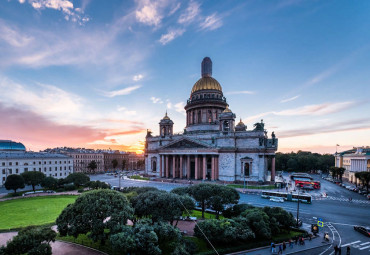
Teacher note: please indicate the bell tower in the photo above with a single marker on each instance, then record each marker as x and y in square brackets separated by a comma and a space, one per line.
[227, 121]
[166, 126]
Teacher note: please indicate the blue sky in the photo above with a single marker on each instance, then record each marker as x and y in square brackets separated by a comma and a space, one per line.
[99, 73]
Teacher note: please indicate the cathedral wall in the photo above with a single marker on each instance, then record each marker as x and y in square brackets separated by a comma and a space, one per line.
[226, 141]
[148, 164]
[245, 142]
[255, 170]
[227, 166]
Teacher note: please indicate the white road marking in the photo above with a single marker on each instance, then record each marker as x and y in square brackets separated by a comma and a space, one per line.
[364, 243]
[363, 248]
[350, 243]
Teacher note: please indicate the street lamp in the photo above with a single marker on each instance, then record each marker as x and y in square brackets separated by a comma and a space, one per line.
[298, 209]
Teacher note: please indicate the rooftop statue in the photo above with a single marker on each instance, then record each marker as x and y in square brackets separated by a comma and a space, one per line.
[259, 126]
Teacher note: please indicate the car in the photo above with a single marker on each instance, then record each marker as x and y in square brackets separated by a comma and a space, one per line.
[362, 230]
[277, 199]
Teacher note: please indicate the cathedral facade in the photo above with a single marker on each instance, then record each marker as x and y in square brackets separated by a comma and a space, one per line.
[211, 147]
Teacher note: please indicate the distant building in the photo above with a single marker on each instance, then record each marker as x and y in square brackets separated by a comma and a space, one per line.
[212, 146]
[104, 159]
[14, 159]
[354, 160]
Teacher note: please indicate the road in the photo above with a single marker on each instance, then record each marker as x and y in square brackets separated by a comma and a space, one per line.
[338, 214]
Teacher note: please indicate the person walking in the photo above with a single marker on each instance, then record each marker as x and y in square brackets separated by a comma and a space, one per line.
[280, 249]
[290, 243]
[272, 247]
[336, 250]
[348, 251]
[284, 246]
[339, 250]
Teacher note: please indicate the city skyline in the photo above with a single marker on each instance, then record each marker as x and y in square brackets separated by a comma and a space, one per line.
[97, 75]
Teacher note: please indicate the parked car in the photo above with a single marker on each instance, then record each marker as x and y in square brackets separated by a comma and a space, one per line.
[362, 230]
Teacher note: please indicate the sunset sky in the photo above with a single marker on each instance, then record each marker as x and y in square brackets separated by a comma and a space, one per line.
[97, 74]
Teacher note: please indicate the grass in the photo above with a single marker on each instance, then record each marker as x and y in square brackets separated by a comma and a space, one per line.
[198, 214]
[138, 177]
[29, 211]
[251, 186]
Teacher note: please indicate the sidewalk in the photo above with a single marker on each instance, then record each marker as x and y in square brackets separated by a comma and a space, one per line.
[296, 249]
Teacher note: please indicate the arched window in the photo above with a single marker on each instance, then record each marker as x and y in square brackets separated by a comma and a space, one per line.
[154, 167]
[210, 119]
[199, 117]
[193, 115]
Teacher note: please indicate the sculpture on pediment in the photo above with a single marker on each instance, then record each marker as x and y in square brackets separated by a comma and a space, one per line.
[259, 126]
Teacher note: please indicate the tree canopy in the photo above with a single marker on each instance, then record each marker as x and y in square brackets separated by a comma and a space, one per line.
[77, 179]
[364, 178]
[14, 182]
[114, 163]
[30, 240]
[49, 183]
[33, 178]
[303, 161]
[94, 212]
[92, 166]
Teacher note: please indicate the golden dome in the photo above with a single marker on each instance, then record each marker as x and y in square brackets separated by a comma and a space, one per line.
[166, 117]
[227, 109]
[206, 83]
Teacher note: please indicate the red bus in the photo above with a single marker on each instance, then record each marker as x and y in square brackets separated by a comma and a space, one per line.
[307, 184]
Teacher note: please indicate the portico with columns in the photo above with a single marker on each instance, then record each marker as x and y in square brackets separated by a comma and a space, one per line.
[212, 147]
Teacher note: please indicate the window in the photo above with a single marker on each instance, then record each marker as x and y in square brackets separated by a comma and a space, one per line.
[61, 168]
[34, 163]
[39, 169]
[49, 162]
[60, 174]
[50, 169]
[44, 169]
[16, 170]
[10, 163]
[3, 171]
[56, 168]
[56, 162]
[16, 163]
[44, 162]
[10, 171]
[40, 162]
[34, 169]
[199, 117]
[3, 164]
[26, 169]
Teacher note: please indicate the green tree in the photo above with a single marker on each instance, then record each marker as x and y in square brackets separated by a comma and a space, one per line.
[14, 182]
[93, 212]
[33, 178]
[124, 164]
[114, 163]
[283, 218]
[31, 240]
[77, 179]
[259, 222]
[92, 166]
[334, 171]
[49, 183]
[340, 172]
[202, 194]
[364, 177]
[98, 185]
[221, 196]
[236, 210]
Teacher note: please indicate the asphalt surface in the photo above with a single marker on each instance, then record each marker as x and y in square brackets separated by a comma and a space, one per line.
[336, 211]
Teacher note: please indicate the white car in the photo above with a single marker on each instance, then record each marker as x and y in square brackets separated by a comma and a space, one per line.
[277, 199]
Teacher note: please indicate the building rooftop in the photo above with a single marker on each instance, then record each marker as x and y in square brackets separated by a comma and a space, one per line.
[30, 155]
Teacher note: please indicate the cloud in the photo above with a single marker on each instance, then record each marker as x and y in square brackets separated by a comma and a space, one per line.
[156, 100]
[48, 99]
[65, 6]
[169, 105]
[290, 99]
[174, 9]
[171, 35]
[149, 15]
[349, 125]
[37, 131]
[122, 92]
[240, 92]
[179, 107]
[190, 14]
[13, 37]
[211, 22]
[137, 77]
[309, 110]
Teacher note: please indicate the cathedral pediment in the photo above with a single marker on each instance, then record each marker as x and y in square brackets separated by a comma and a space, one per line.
[185, 144]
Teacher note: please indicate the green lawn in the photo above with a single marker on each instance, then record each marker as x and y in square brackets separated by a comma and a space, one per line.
[239, 186]
[207, 215]
[32, 210]
[138, 177]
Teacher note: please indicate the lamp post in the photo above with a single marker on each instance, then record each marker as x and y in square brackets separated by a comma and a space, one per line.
[298, 209]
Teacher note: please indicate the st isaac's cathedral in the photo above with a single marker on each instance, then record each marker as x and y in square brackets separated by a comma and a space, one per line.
[211, 147]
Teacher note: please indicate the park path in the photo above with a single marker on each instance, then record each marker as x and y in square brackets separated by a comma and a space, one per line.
[58, 247]
[42, 195]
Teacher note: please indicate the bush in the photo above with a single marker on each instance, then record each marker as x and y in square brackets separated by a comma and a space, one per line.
[69, 187]
[236, 210]
[80, 190]
[60, 190]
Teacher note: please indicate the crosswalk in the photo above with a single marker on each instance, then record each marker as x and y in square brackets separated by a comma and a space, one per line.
[358, 245]
[343, 199]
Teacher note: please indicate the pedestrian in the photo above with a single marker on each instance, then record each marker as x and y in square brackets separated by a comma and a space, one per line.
[296, 240]
[348, 250]
[310, 237]
[272, 247]
[284, 246]
[339, 250]
[335, 250]
[290, 243]
[280, 249]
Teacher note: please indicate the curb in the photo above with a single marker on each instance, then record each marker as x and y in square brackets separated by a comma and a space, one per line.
[309, 248]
